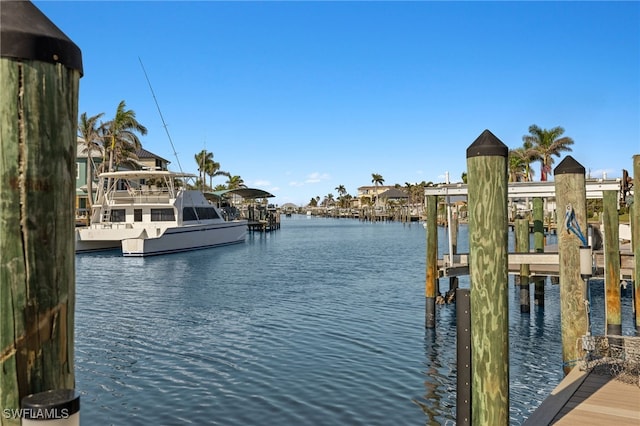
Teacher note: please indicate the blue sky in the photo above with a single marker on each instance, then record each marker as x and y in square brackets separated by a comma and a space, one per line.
[300, 97]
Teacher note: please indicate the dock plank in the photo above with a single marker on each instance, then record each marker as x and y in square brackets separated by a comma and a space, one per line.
[589, 399]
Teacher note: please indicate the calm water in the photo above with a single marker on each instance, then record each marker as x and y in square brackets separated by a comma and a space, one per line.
[319, 323]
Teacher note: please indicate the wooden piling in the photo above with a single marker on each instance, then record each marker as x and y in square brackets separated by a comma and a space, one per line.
[571, 195]
[522, 246]
[453, 281]
[454, 231]
[40, 70]
[611, 224]
[538, 224]
[488, 250]
[635, 228]
[432, 261]
[538, 245]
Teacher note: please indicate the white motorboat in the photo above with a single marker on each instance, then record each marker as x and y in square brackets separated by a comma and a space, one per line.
[151, 212]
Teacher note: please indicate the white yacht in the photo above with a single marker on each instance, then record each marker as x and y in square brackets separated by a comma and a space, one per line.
[150, 212]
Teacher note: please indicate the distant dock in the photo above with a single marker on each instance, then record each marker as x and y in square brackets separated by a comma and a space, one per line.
[263, 220]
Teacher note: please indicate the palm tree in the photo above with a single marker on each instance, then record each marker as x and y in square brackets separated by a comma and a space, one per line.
[120, 135]
[547, 143]
[328, 200]
[91, 141]
[410, 190]
[208, 167]
[528, 155]
[377, 179]
[341, 192]
[212, 169]
[235, 182]
[202, 159]
[520, 163]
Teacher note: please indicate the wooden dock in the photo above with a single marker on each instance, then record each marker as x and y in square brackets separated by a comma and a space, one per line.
[270, 222]
[540, 264]
[587, 398]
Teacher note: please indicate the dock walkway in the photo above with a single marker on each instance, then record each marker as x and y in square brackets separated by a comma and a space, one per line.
[603, 388]
[588, 398]
[540, 264]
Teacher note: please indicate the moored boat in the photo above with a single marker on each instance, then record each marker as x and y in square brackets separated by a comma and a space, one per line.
[151, 212]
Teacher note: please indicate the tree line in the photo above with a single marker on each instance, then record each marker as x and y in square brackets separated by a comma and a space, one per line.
[539, 145]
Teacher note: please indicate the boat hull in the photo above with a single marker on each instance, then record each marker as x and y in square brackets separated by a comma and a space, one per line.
[91, 239]
[186, 238]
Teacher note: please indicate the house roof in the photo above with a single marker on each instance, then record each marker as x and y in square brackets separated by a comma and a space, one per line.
[379, 187]
[394, 193]
[143, 153]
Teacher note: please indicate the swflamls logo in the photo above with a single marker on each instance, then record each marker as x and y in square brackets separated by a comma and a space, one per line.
[36, 413]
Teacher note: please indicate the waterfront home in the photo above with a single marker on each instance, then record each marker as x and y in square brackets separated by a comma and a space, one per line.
[367, 195]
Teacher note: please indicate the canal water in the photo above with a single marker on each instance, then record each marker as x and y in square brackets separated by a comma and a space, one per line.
[319, 323]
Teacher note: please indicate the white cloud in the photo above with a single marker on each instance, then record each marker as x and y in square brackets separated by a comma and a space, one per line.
[316, 177]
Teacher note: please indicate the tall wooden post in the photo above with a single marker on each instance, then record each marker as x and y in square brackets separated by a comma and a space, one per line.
[522, 246]
[538, 245]
[431, 283]
[538, 224]
[488, 250]
[40, 70]
[612, 261]
[454, 231]
[571, 194]
[453, 281]
[635, 228]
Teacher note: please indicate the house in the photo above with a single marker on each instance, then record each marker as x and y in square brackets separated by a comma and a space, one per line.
[394, 196]
[149, 160]
[367, 195]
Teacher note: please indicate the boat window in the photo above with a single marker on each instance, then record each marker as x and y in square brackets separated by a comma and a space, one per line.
[137, 215]
[203, 213]
[162, 215]
[118, 215]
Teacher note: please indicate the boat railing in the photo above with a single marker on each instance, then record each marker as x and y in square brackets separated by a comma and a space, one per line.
[139, 196]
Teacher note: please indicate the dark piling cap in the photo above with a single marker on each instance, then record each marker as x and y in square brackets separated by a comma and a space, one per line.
[569, 166]
[487, 144]
[58, 402]
[26, 33]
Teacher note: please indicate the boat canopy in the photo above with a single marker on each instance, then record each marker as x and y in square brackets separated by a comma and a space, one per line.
[250, 193]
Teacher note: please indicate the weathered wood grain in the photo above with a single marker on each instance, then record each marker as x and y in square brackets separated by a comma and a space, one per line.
[38, 116]
[488, 244]
[612, 261]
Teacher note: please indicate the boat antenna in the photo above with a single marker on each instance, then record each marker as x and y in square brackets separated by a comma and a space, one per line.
[164, 124]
